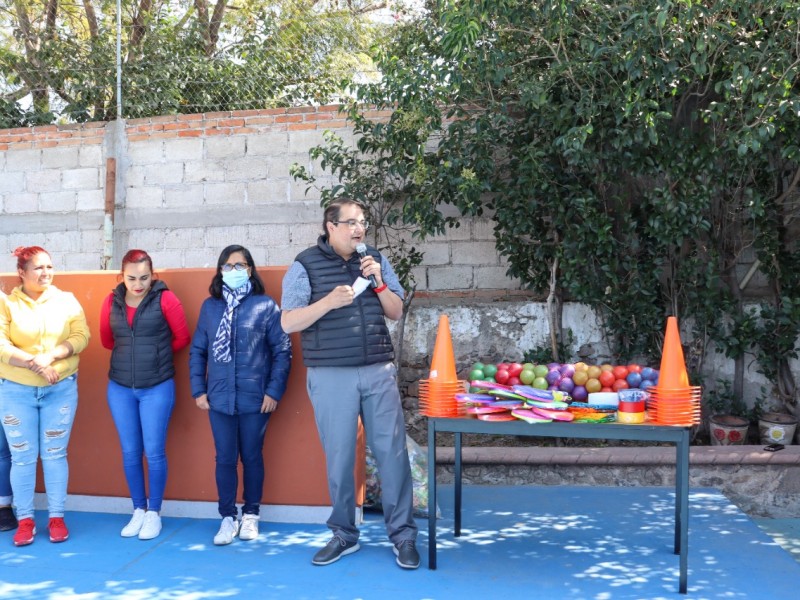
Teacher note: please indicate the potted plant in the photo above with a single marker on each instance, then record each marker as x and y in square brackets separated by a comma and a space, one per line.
[729, 418]
[775, 426]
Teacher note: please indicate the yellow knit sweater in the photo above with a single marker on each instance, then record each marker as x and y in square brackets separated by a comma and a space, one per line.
[37, 326]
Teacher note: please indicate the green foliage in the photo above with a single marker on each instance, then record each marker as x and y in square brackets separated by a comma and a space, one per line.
[366, 180]
[720, 400]
[11, 115]
[642, 147]
[544, 354]
[265, 53]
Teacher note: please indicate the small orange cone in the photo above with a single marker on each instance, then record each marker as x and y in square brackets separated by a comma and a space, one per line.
[673, 373]
[443, 364]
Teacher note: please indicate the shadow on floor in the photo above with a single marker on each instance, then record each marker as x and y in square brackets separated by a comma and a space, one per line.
[530, 541]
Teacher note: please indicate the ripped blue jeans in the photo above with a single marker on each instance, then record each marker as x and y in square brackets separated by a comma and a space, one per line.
[37, 422]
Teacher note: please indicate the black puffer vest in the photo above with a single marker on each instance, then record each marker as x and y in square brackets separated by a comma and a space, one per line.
[142, 355]
[349, 336]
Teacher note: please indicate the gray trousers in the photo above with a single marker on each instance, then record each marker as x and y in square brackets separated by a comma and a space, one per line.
[339, 395]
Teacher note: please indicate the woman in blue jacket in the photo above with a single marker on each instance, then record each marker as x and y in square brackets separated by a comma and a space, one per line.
[239, 363]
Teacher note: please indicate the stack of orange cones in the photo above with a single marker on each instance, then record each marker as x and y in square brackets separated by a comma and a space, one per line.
[673, 401]
[437, 393]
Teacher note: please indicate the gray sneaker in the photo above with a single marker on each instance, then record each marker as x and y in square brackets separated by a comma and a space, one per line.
[406, 553]
[335, 549]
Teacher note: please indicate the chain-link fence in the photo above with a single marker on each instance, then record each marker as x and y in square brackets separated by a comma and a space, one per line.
[64, 62]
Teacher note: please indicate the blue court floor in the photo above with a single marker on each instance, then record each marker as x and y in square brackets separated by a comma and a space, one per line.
[517, 542]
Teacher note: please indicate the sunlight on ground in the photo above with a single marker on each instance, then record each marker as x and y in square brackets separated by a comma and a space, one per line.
[575, 545]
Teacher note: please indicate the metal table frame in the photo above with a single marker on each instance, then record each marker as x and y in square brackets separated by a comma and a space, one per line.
[646, 433]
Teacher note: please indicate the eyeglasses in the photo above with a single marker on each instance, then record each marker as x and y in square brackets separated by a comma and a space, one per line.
[238, 266]
[352, 224]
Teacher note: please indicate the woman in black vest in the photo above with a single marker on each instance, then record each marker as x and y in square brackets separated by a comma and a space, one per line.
[143, 324]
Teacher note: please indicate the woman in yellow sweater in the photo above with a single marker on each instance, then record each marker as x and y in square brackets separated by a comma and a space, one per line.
[42, 331]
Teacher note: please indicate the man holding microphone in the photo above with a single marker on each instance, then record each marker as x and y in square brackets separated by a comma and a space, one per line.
[338, 294]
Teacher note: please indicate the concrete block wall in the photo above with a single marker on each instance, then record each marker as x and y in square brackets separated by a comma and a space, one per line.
[187, 186]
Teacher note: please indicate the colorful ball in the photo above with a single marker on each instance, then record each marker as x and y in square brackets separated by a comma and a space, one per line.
[579, 393]
[553, 376]
[476, 374]
[540, 383]
[634, 379]
[646, 383]
[649, 373]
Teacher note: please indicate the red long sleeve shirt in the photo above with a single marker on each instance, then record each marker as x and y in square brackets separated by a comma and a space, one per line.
[173, 313]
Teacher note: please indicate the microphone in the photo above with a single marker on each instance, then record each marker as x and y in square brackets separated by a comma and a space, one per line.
[362, 252]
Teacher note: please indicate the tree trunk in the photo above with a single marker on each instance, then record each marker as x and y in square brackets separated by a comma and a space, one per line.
[138, 29]
[554, 312]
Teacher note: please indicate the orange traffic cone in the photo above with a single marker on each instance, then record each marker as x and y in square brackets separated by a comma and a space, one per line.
[443, 364]
[672, 374]
[437, 393]
[673, 401]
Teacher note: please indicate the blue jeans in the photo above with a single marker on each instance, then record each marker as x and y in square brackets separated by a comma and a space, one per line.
[239, 436]
[142, 416]
[37, 422]
[5, 472]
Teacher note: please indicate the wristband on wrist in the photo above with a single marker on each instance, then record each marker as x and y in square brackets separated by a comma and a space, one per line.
[379, 289]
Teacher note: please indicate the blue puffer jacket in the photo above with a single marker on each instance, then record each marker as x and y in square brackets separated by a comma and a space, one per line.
[260, 356]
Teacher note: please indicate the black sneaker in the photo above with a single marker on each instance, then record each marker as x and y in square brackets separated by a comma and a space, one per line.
[334, 550]
[406, 553]
[7, 519]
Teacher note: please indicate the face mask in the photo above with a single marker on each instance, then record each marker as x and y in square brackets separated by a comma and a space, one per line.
[235, 279]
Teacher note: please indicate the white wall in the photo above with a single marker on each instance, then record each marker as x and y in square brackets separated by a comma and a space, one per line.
[189, 185]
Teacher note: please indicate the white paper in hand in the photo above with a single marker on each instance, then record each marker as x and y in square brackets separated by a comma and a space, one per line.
[359, 285]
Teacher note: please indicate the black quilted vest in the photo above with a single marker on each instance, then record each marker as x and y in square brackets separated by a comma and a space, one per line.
[349, 336]
[142, 355]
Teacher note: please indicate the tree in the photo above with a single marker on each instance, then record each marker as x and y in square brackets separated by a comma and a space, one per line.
[57, 60]
[630, 156]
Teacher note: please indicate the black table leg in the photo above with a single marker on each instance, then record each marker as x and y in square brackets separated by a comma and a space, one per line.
[431, 494]
[682, 507]
[457, 484]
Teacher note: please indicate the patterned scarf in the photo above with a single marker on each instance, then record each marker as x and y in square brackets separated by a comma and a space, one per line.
[222, 343]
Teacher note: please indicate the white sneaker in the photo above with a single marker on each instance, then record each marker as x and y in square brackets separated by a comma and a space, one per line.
[249, 527]
[151, 527]
[227, 531]
[134, 525]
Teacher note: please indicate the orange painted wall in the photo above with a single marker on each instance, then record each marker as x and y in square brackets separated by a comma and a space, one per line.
[294, 461]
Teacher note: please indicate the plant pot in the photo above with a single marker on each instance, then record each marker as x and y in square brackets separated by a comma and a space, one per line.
[777, 428]
[727, 430]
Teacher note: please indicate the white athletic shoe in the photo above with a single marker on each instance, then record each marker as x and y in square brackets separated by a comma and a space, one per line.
[134, 526]
[249, 527]
[151, 527]
[228, 530]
